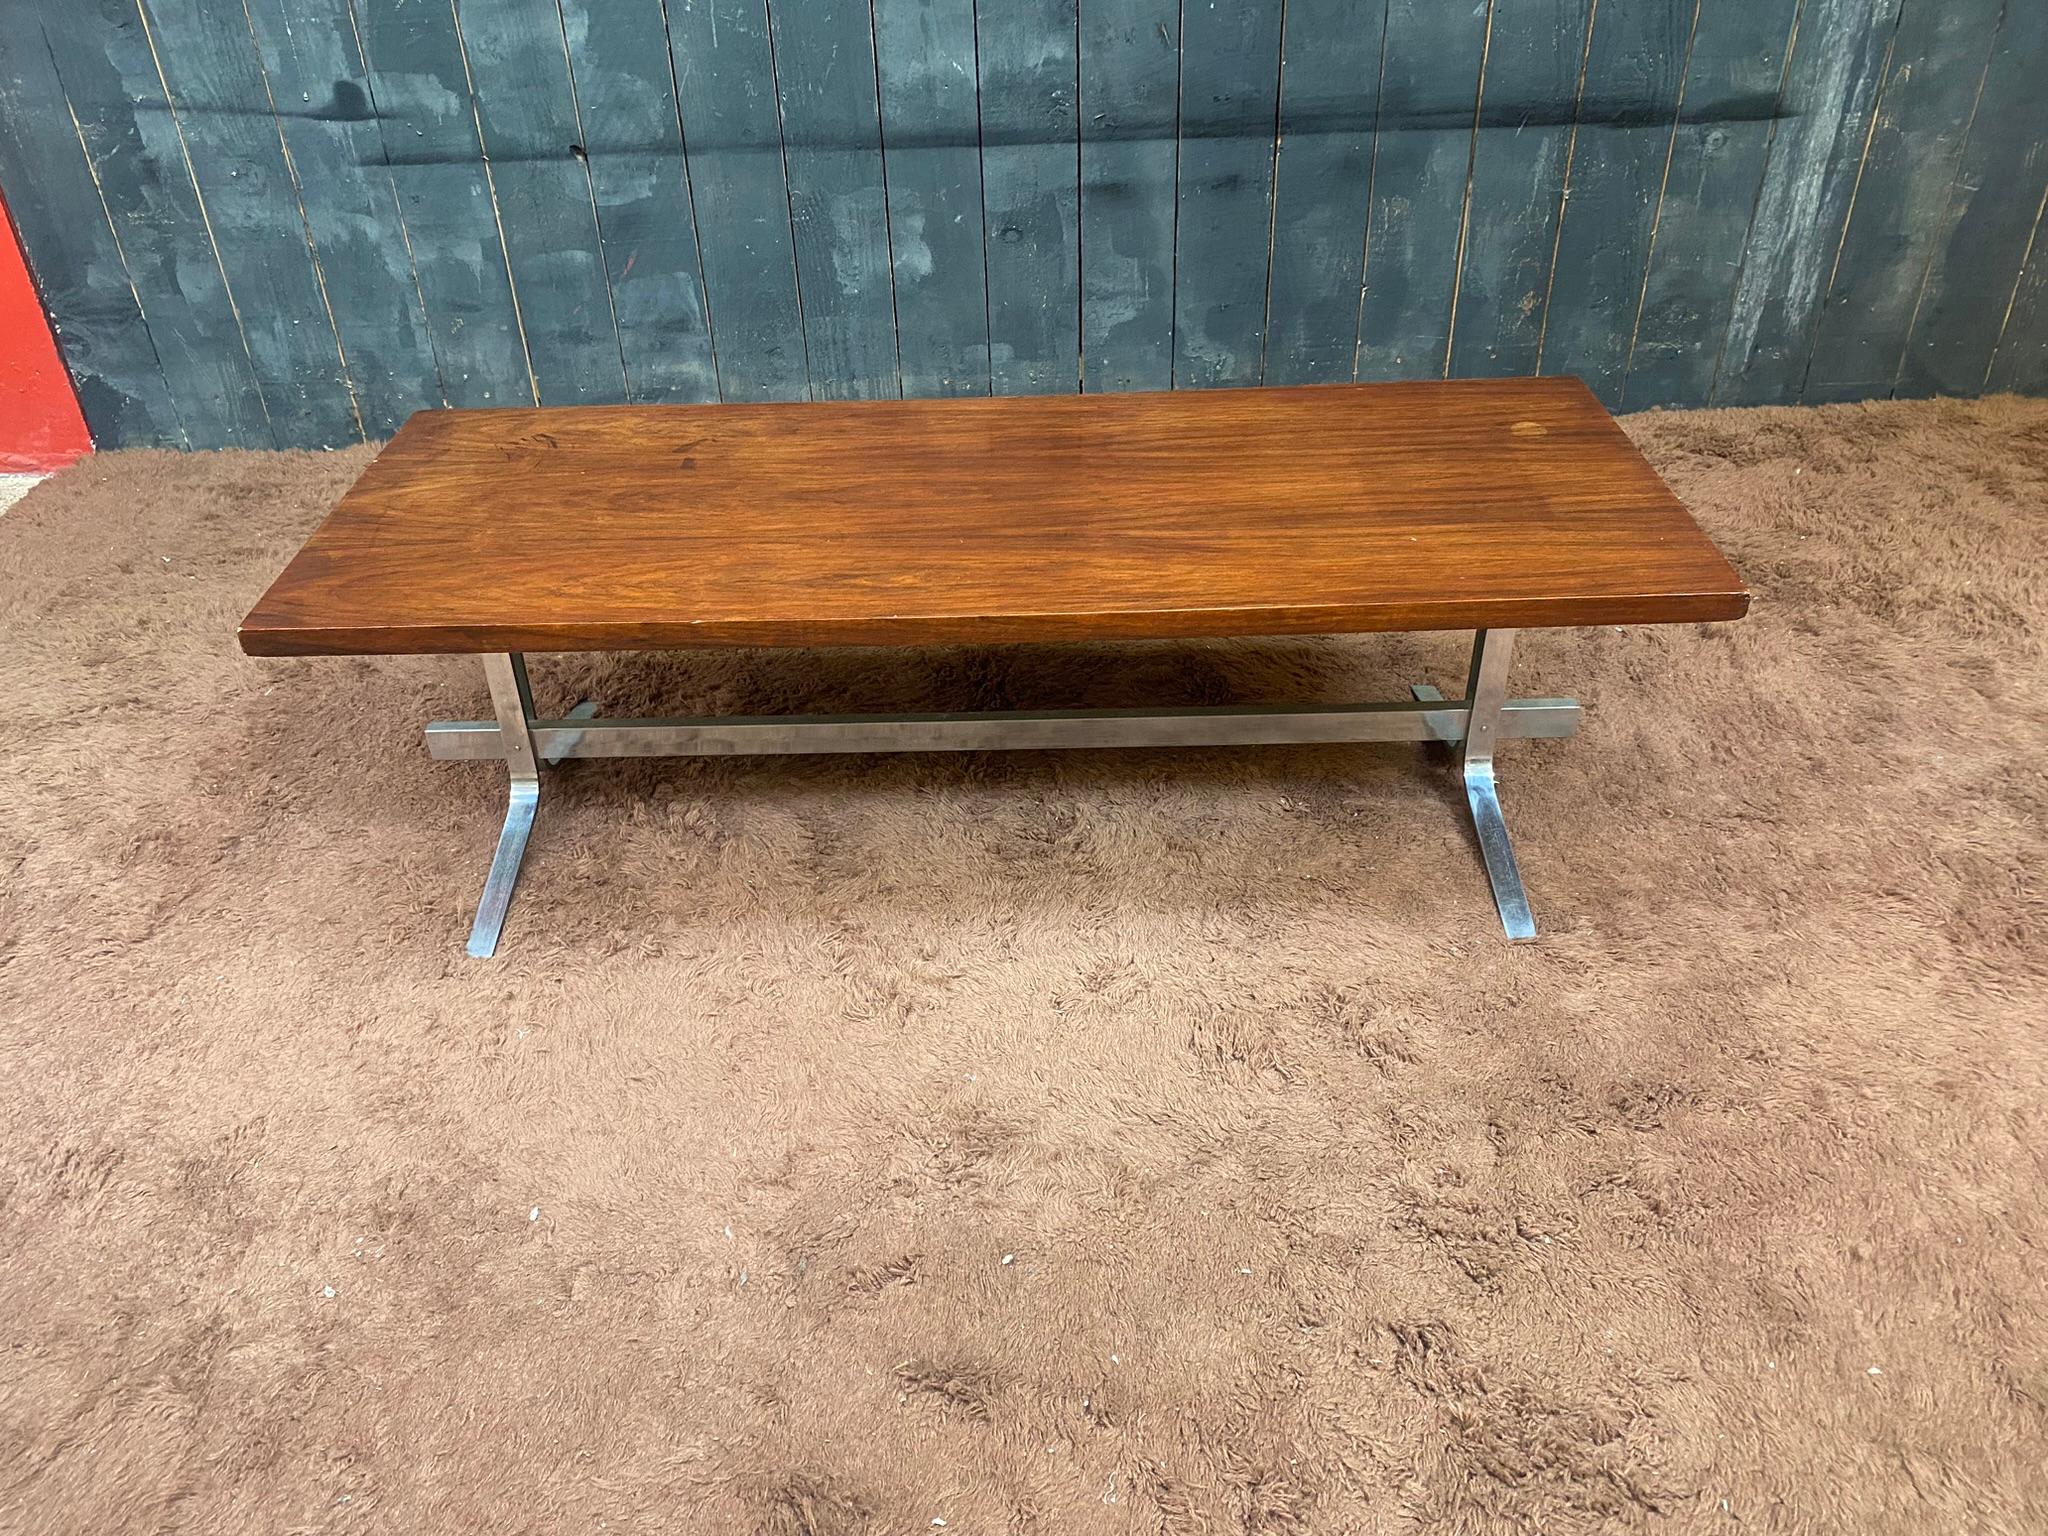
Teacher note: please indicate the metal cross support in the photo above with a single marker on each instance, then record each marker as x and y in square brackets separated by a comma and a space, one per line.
[1477, 723]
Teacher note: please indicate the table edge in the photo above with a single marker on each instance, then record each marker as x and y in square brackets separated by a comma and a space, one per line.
[272, 639]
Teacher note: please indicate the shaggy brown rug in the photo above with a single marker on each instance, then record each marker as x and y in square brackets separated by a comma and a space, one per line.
[1042, 1143]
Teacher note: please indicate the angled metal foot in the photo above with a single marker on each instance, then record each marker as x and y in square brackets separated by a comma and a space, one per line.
[497, 899]
[1484, 694]
[513, 701]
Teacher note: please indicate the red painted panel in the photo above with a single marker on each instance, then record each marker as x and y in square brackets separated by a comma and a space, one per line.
[40, 425]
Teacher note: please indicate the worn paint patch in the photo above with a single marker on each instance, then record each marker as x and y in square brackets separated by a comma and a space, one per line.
[1074, 197]
[1806, 191]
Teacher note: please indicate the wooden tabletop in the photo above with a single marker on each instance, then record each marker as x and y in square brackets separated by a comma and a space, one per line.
[1464, 505]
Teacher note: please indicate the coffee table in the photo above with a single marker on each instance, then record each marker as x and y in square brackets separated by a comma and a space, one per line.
[1488, 505]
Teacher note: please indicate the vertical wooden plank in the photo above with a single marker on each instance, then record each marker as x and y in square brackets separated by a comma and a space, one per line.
[516, 53]
[222, 111]
[931, 146]
[419, 91]
[839, 205]
[1329, 97]
[1130, 157]
[732, 131]
[1031, 192]
[1421, 159]
[1838, 58]
[71, 248]
[1732, 98]
[1902, 210]
[1635, 68]
[336, 153]
[1997, 194]
[110, 81]
[2020, 363]
[1230, 88]
[633, 148]
[1529, 102]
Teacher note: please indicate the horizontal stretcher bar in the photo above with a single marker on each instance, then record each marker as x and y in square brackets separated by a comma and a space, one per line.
[1228, 726]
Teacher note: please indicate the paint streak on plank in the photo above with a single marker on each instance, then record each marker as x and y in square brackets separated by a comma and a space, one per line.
[732, 132]
[647, 226]
[931, 138]
[1903, 210]
[110, 82]
[1031, 185]
[1732, 95]
[1422, 160]
[80, 271]
[1130, 108]
[1528, 107]
[420, 94]
[222, 112]
[1838, 60]
[272, 218]
[2021, 361]
[1329, 98]
[839, 207]
[317, 83]
[1635, 69]
[1230, 86]
[1996, 207]
[517, 56]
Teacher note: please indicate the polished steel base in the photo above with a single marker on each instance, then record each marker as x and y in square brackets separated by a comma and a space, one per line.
[1474, 724]
[513, 700]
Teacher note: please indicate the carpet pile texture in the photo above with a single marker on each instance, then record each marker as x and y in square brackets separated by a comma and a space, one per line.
[1056, 1143]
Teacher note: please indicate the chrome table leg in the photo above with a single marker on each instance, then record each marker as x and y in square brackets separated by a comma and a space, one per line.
[1484, 693]
[1474, 724]
[513, 701]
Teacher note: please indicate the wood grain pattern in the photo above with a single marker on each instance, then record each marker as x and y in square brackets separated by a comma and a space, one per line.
[1998, 197]
[931, 146]
[1528, 120]
[517, 56]
[2021, 361]
[732, 132]
[1904, 207]
[503, 202]
[1421, 166]
[253, 215]
[1031, 194]
[1838, 60]
[1130, 156]
[417, 91]
[80, 270]
[838, 198]
[646, 219]
[1229, 95]
[337, 156]
[113, 93]
[1628, 117]
[1230, 512]
[1732, 90]
[1329, 103]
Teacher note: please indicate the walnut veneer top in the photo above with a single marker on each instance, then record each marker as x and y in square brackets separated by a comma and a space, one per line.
[1463, 505]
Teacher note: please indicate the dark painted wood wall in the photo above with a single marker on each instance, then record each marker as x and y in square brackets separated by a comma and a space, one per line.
[292, 222]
